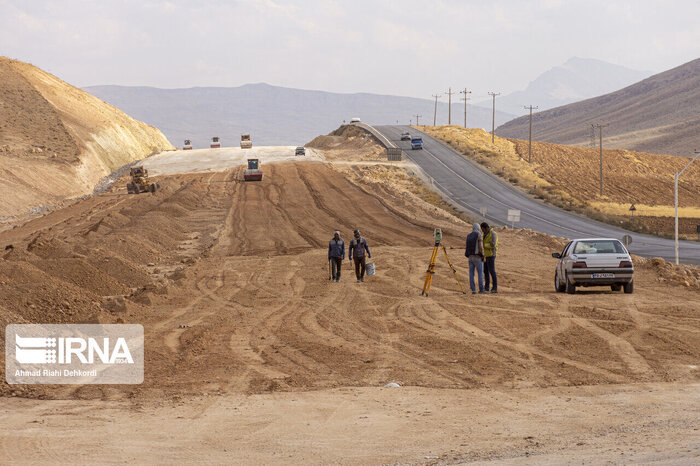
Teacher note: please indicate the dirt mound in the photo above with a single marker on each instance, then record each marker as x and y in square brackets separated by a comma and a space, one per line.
[230, 281]
[349, 143]
[58, 141]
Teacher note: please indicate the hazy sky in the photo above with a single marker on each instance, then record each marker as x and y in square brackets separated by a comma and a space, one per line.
[413, 48]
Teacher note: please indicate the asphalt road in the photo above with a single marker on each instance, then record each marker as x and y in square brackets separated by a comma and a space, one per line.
[473, 187]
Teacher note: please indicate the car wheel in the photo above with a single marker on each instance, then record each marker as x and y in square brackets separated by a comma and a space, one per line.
[558, 286]
[615, 287]
[629, 287]
[569, 287]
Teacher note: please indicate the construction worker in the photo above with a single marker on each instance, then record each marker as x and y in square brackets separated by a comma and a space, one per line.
[356, 252]
[336, 254]
[475, 253]
[490, 249]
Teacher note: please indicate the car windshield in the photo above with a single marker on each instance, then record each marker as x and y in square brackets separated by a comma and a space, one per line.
[605, 246]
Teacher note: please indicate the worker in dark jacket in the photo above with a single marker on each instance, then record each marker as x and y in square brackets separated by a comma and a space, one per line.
[336, 254]
[356, 252]
[475, 253]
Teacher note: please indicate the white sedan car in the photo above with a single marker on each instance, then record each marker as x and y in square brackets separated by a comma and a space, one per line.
[594, 262]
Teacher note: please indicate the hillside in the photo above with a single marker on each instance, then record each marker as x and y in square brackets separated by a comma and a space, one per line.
[57, 141]
[273, 115]
[658, 115]
[567, 176]
[575, 80]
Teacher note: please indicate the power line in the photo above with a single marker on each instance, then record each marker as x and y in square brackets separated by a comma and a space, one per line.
[465, 98]
[435, 111]
[529, 146]
[600, 130]
[417, 116]
[449, 105]
[493, 117]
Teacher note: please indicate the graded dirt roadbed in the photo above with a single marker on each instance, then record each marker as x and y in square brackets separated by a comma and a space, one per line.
[230, 281]
[211, 160]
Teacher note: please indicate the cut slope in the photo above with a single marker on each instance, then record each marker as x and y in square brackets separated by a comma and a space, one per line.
[57, 141]
[658, 115]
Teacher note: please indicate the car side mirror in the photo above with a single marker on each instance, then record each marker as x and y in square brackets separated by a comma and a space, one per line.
[556, 255]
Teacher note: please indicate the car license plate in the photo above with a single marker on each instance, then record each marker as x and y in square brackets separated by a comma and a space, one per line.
[603, 275]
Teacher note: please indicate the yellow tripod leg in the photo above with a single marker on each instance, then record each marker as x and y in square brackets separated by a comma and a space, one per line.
[431, 272]
[454, 271]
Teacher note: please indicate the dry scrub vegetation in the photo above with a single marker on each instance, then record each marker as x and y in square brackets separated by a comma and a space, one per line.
[567, 177]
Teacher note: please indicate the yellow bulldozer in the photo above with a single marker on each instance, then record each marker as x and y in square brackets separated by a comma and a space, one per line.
[139, 181]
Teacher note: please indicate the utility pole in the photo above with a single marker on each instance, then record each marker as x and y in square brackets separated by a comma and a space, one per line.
[435, 111]
[417, 116]
[449, 105]
[600, 129]
[465, 98]
[493, 117]
[675, 198]
[529, 146]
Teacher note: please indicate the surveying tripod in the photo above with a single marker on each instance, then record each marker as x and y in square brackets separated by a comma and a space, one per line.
[433, 258]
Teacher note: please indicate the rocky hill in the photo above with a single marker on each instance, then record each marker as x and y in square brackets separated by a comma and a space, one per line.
[57, 141]
[657, 115]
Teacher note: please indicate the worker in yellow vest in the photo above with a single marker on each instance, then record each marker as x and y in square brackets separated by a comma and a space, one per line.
[490, 249]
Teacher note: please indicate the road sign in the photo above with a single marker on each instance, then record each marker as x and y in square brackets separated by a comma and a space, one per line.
[627, 240]
[513, 216]
[394, 153]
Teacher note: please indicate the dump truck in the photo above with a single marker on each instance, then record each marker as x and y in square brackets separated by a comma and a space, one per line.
[254, 172]
[416, 143]
[246, 143]
[188, 145]
[215, 143]
[139, 181]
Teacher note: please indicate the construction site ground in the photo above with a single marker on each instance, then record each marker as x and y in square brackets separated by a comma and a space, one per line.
[253, 355]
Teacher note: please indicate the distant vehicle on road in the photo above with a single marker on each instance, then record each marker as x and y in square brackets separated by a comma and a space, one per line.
[246, 143]
[416, 143]
[406, 136]
[354, 120]
[215, 142]
[300, 151]
[594, 262]
[188, 145]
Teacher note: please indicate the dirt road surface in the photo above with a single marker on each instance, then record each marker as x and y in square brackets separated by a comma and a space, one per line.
[254, 356]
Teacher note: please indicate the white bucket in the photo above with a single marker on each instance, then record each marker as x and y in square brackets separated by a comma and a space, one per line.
[369, 268]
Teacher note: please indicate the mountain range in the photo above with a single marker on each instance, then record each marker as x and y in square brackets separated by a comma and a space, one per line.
[273, 115]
